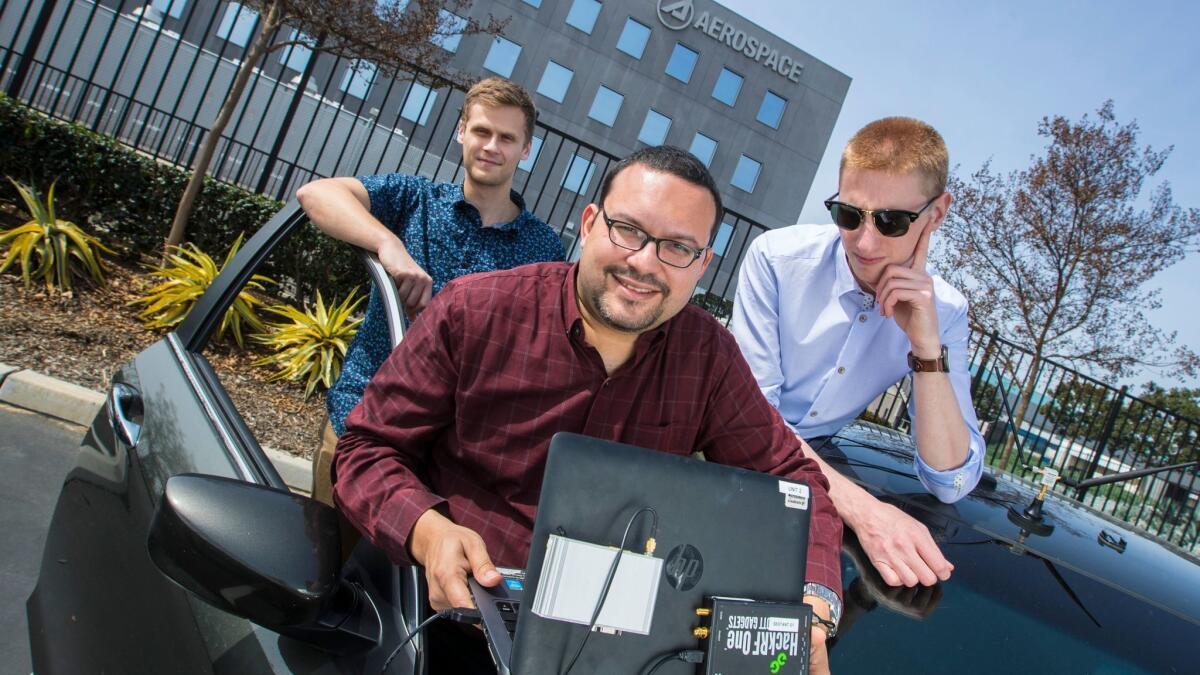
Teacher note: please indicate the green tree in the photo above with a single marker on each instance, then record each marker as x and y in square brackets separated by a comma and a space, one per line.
[1057, 257]
[392, 35]
[1159, 425]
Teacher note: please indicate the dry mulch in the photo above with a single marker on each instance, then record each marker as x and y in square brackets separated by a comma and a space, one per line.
[83, 338]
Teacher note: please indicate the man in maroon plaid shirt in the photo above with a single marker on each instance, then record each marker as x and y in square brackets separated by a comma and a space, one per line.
[441, 462]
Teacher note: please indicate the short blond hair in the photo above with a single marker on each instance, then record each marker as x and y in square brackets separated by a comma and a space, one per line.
[496, 92]
[899, 145]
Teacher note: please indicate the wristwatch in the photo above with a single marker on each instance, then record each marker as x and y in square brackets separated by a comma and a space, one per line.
[939, 365]
[835, 607]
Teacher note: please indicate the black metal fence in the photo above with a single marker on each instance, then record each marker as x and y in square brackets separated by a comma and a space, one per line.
[154, 76]
[1084, 429]
[155, 81]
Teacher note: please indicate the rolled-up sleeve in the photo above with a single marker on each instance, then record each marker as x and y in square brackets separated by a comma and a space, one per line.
[950, 485]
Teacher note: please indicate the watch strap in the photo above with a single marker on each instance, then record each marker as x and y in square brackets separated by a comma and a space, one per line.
[939, 365]
[834, 602]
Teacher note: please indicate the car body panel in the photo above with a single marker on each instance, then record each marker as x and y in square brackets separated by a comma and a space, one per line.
[1016, 601]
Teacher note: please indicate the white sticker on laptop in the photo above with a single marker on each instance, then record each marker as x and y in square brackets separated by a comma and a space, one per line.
[795, 495]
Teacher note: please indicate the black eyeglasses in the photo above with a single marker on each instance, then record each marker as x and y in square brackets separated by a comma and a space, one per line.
[889, 222]
[634, 238]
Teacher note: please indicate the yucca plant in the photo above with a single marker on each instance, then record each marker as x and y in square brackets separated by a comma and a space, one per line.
[187, 273]
[310, 345]
[63, 250]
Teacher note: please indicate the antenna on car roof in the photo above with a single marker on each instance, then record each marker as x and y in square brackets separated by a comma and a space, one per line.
[1082, 485]
[1031, 519]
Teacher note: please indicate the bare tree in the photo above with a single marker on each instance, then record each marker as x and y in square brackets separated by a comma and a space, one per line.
[1057, 257]
[391, 35]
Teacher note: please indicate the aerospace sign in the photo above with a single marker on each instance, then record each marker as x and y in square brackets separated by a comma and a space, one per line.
[680, 14]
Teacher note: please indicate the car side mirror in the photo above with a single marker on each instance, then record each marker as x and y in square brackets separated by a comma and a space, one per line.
[264, 554]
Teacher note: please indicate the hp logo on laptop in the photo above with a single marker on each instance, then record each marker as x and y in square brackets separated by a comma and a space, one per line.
[676, 14]
[684, 567]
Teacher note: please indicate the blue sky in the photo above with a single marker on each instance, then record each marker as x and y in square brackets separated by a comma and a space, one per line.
[985, 72]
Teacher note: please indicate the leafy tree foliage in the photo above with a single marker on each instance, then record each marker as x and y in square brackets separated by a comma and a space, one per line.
[1057, 257]
[1159, 425]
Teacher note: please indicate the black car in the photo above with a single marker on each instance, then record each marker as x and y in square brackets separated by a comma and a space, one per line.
[175, 547]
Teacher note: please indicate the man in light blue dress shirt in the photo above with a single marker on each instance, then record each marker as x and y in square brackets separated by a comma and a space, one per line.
[831, 316]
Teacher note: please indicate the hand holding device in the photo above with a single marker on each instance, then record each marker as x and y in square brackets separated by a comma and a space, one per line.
[450, 552]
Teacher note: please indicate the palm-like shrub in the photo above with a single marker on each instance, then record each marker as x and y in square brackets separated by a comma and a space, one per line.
[187, 273]
[310, 345]
[62, 249]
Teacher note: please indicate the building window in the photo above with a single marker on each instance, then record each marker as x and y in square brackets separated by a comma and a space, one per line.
[533, 3]
[654, 128]
[745, 175]
[419, 103]
[682, 63]
[535, 146]
[771, 110]
[728, 86]
[578, 175]
[358, 79]
[296, 56]
[555, 81]
[237, 25]
[583, 15]
[171, 8]
[605, 106]
[633, 38]
[502, 57]
[703, 148]
[449, 31]
[721, 241]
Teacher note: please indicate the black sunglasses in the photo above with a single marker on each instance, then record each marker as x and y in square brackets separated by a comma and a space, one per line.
[889, 222]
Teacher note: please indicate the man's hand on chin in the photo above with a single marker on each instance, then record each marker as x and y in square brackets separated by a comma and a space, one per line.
[449, 553]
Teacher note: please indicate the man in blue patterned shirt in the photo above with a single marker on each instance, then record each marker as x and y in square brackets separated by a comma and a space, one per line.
[426, 234]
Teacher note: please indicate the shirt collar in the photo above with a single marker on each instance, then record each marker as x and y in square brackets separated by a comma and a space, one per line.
[460, 199]
[844, 281]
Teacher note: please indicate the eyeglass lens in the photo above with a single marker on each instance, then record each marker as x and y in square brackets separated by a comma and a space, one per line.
[671, 252]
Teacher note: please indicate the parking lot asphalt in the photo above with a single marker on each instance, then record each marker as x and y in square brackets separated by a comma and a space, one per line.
[36, 452]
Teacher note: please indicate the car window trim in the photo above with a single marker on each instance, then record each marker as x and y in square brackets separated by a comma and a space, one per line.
[210, 410]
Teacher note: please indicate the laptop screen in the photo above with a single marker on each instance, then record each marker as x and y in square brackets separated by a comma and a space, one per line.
[721, 531]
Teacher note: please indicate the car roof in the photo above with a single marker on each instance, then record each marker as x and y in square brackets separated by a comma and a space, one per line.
[1099, 605]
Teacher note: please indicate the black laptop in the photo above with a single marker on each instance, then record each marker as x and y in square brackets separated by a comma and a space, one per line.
[722, 531]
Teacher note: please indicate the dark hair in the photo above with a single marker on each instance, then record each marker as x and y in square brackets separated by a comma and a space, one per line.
[671, 160]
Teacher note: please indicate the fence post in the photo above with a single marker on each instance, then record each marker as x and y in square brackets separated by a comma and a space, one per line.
[285, 126]
[983, 363]
[25, 60]
[1105, 434]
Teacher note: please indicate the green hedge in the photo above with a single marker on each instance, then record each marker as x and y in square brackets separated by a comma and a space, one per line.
[130, 200]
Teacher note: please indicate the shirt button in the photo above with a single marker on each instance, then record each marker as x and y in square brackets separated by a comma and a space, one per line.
[862, 318]
[841, 370]
[812, 414]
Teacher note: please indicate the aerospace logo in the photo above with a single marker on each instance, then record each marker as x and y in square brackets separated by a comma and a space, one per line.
[684, 567]
[676, 14]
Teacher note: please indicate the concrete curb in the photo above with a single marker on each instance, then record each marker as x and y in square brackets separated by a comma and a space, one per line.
[52, 397]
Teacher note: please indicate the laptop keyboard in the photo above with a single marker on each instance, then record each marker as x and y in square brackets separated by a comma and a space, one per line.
[509, 610]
